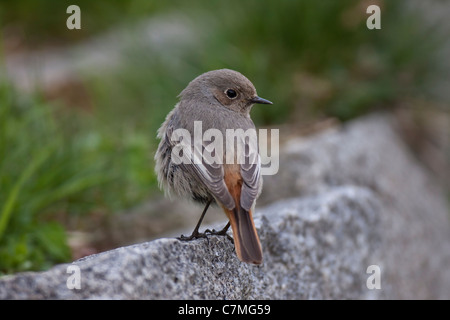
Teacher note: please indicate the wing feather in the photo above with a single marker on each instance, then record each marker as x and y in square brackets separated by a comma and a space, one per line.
[212, 175]
[251, 175]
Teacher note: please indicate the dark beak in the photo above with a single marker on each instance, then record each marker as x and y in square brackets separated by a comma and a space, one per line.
[260, 100]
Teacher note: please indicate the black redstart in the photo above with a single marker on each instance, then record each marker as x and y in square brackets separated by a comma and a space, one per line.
[220, 100]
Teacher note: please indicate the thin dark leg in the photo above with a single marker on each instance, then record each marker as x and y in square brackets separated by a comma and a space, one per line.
[195, 234]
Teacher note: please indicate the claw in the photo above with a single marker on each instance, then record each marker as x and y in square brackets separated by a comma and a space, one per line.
[222, 232]
[193, 236]
[197, 235]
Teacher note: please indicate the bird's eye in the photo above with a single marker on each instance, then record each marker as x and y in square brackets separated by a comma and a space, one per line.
[231, 93]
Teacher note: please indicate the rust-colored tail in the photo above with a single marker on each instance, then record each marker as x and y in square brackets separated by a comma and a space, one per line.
[246, 240]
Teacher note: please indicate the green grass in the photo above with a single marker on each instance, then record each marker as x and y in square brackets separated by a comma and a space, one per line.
[47, 171]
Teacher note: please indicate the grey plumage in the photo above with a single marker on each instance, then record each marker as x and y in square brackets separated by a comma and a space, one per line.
[207, 99]
[198, 103]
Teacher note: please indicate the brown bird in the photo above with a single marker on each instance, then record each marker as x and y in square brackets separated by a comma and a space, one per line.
[221, 100]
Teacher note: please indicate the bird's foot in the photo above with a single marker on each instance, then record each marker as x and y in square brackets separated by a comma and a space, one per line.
[222, 232]
[195, 235]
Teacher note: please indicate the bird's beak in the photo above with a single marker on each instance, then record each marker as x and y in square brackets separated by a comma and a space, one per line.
[260, 100]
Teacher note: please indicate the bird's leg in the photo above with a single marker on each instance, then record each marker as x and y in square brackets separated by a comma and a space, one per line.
[222, 232]
[195, 234]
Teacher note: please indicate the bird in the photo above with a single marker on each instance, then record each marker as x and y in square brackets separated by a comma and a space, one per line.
[221, 100]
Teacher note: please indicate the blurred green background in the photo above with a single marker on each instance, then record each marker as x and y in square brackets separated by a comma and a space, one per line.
[81, 146]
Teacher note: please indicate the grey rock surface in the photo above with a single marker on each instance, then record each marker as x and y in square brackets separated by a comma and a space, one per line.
[350, 198]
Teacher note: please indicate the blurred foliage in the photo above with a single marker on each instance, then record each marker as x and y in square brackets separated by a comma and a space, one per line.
[53, 163]
[314, 57]
[42, 22]
[310, 58]
[29, 147]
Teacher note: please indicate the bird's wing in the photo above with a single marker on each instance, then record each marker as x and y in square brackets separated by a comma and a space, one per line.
[250, 173]
[211, 174]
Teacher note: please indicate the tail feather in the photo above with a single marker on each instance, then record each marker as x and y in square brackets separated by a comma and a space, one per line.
[246, 240]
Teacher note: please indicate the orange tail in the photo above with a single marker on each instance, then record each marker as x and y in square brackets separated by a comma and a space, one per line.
[246, 241]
